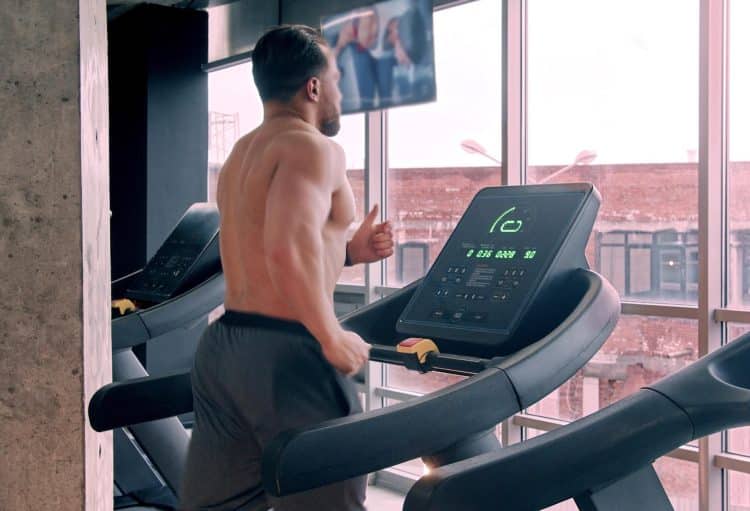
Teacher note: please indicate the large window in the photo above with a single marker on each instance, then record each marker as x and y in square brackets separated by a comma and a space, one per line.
[234, 108]
[739, 154]
[430, 177]
[352, 139]
[613, 100]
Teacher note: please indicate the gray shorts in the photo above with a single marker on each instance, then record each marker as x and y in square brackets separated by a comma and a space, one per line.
[254, 377]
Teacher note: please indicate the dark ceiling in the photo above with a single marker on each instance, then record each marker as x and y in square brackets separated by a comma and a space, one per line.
[117, 7]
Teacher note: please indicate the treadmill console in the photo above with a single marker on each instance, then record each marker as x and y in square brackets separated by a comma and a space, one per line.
[507, 249]
[188, 256]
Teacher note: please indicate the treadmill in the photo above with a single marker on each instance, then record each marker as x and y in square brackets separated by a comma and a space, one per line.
[158, 315]
[509, 302]
[603, 461]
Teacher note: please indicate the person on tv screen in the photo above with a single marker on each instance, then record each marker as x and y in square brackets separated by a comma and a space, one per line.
[382, 40]
[278, 359]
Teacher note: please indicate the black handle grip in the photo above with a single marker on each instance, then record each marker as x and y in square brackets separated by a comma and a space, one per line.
[141, 400]
[343, 448]
[454, 364]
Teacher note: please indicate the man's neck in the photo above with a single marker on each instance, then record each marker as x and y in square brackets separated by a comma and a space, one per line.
[275, 110]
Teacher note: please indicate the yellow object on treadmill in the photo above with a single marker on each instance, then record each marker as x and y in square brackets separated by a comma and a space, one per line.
[124, 306]
[419, 346]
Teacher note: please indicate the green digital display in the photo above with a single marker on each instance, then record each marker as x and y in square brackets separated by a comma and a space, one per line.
[529, 254]
[506, 254]
[506, 223]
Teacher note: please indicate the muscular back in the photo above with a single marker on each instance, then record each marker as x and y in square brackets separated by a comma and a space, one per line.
[276, 182]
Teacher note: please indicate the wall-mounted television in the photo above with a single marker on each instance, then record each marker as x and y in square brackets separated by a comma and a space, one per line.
[385, 53]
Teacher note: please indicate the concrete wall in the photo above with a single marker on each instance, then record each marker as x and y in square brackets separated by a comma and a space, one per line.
[54, 254]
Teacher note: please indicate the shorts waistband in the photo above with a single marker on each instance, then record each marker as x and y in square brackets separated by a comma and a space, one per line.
[254, 320]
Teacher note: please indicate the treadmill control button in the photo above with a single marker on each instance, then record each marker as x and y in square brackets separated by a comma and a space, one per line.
[457, 316]
[478, 316]
[438, 314]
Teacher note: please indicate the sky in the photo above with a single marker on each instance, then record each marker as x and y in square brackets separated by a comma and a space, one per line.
[616, 78]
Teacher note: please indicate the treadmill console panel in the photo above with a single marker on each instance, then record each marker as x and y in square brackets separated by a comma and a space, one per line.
[496, 262]
[189, 255]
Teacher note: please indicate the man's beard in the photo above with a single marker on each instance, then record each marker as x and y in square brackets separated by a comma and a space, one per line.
[331, 126]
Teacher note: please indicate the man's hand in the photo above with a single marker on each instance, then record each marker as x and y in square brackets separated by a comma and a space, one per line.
[347, 352]
[372, 242]
[346, 36]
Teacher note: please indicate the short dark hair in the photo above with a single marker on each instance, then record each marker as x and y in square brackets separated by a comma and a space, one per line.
[284, 58]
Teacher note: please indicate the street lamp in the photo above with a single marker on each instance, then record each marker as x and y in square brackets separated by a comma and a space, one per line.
[472, 146]
[582, 158]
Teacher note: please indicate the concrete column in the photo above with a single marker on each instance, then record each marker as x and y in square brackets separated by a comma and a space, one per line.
[55, 346]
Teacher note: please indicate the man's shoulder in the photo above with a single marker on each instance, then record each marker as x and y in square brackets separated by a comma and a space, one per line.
[303, 143]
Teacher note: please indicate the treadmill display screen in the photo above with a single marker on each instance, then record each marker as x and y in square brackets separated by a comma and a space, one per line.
[494, 262]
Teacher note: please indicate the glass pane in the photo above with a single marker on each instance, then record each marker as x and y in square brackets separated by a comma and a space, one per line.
[623, 114]
[404, 379]
[234, 108]
[739, 154]
[431, 178]
[738, 485]
[640, 351]
[680, 480]
[352, 139]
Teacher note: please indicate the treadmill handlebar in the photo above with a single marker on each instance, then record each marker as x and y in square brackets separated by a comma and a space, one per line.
[149, 398]
[715, 390]
[572, 343]
[558, 465]
[340, 449]
[139, 400]
[446, 363]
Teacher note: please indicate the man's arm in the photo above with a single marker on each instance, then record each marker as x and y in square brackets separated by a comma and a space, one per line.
[297, 206]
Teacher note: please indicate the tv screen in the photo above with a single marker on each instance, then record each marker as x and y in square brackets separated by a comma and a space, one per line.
[385, 54]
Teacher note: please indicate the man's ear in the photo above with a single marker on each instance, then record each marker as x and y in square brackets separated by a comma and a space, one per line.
[313, 89]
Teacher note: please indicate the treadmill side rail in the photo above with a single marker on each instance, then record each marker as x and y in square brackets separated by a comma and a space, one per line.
[715, 390]
[584, 455]
[343, 448]
[568, 347]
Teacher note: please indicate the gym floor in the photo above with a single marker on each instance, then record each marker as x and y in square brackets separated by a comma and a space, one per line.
[378, 499]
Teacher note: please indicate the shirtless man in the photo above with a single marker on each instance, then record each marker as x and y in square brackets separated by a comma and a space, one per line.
[277, 358]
